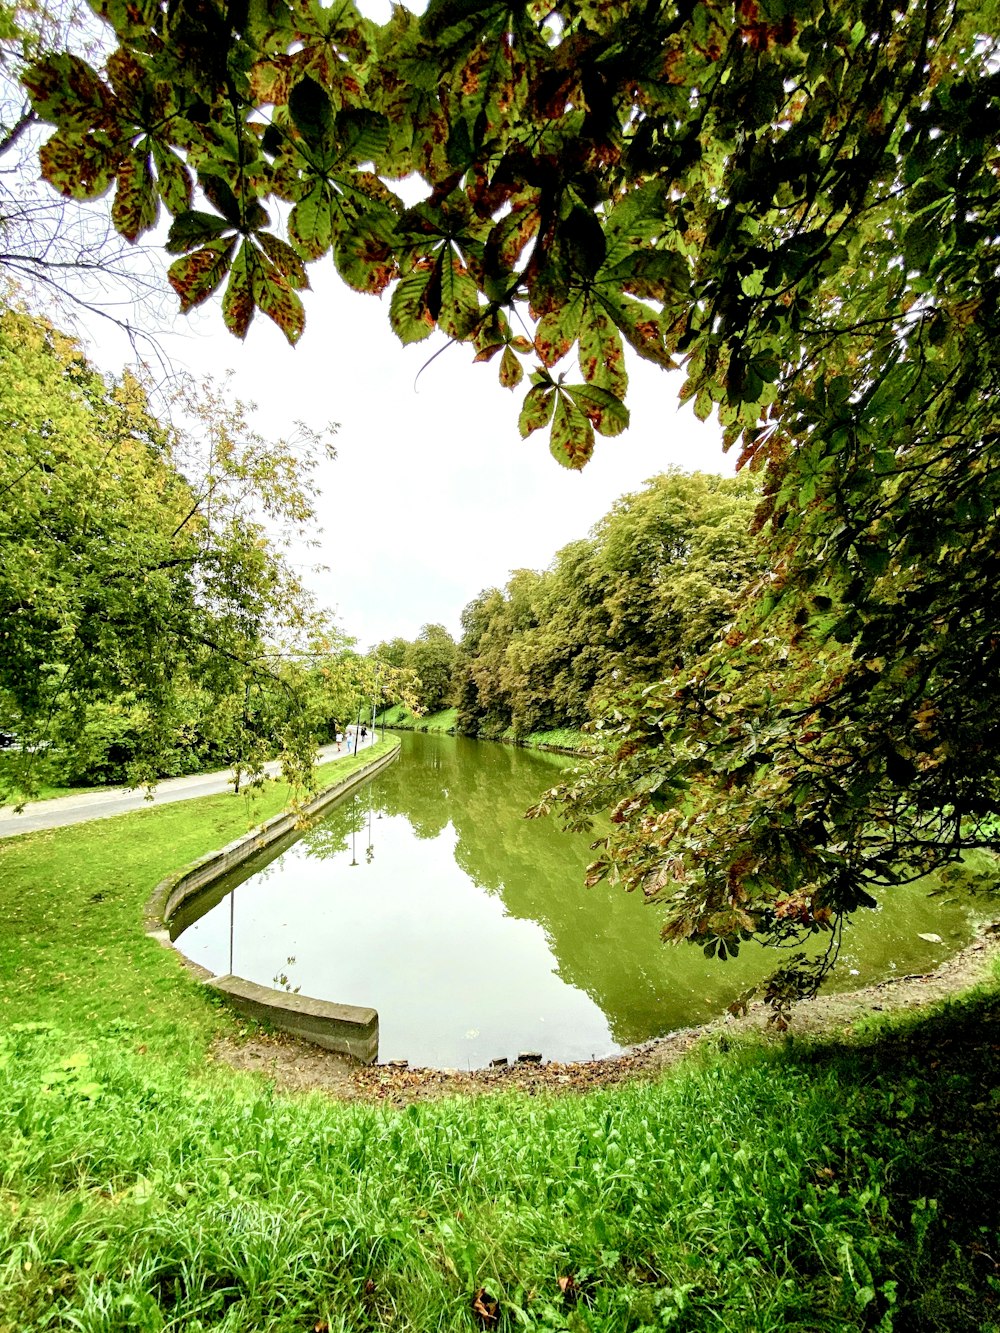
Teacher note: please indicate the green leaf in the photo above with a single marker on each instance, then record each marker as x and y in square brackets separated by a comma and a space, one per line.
[536, 411]
[571, 440]
[173, 180]
[363, 134]
[196, 276]
[80, 166]
[409, 313]
[310, 109]
[921, 242]
[219, 194]
[606, 413]
[459, 311]
[136, 206]
[310, 224]
[194, 228]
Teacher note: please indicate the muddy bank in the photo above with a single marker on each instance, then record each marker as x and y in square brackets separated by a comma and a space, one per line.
[297, 1067]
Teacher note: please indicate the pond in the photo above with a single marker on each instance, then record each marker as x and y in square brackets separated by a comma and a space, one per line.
[428, 896]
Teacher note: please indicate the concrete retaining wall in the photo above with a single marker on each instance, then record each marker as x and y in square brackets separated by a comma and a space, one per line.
[350, 1029]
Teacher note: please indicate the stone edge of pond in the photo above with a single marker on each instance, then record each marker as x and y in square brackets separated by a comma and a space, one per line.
[346, 1029]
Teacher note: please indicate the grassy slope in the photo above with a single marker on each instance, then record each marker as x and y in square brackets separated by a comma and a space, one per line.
[403, 720]
[565, 738]
[806, 1188]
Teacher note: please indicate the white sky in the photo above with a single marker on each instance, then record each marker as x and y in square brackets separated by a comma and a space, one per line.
[433, 495]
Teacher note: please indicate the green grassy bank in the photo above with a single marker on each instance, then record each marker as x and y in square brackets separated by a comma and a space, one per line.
[401, 719]
[809, 1188]
[564, 738]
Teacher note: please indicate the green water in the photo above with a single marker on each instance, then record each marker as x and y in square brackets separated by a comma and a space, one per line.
[430, 897]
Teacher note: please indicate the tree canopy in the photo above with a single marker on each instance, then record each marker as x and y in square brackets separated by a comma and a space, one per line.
[145, 609]
[647, 592]
[797, 204]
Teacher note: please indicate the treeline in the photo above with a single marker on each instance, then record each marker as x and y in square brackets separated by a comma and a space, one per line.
[645, 593]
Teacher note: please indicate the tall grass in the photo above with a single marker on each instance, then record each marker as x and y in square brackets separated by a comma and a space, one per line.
[755, 1190]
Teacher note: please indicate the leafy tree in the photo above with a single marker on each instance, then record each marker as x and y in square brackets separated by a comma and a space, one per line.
[392, 652]
[674, 557]
[477, 712]
[431, 657]
[136, 574]
[799, 203]
[646, 592]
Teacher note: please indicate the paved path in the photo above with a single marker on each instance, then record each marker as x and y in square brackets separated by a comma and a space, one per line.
[108, 801]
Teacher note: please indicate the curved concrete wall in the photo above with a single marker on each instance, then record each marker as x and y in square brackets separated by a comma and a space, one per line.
[350, 1029]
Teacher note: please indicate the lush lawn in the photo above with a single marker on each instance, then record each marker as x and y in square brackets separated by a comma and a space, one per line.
[403, 720]
[71, 900]
[805, 1188]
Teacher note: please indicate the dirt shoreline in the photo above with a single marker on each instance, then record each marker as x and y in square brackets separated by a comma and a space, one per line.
[294, 1066]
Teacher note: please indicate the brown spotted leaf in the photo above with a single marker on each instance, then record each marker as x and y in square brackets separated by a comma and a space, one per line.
[127, 76]
[606, 413]
[600, 352]
[136, 206]
[536, 411]
[409, 311]
[284, 259]
[640, 325]
[196, 276]
[65, 91]
[129, 18]
[511, 370]
[238, 298]
[173, 180]
[272, 80]
[80, 166]
[363, 251]
[274, 296]
[571, 440]
[558, 329]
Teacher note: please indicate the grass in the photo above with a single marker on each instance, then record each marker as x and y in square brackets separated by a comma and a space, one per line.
[808, 1187]
[402, 719]
[72, 901]
[560, 738]
[827, 1190]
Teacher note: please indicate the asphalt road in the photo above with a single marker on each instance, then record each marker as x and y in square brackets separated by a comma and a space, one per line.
[109, 801]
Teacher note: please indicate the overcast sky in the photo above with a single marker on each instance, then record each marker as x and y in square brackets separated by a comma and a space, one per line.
[433, 495]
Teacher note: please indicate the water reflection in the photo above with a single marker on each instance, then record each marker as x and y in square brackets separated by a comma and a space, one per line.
[429, 896]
